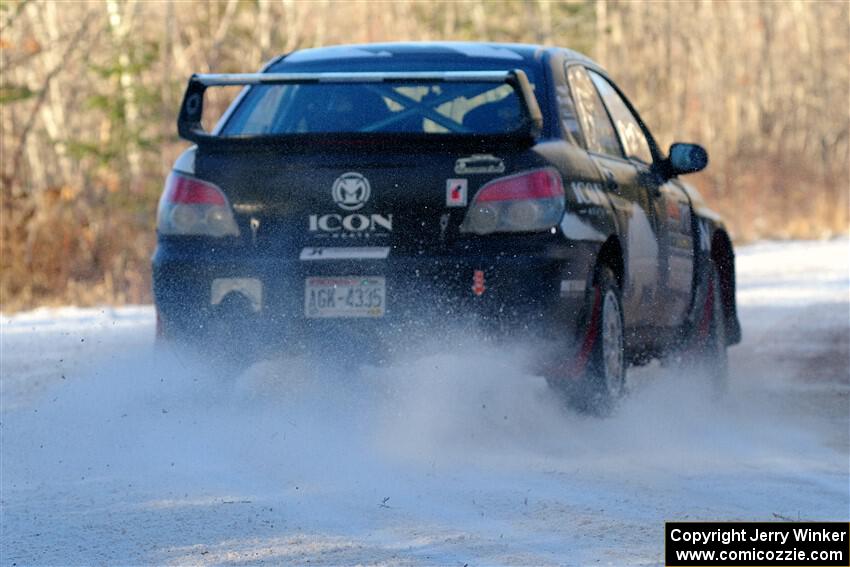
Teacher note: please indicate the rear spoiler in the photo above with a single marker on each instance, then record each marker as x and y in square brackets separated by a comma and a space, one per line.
[191, 110]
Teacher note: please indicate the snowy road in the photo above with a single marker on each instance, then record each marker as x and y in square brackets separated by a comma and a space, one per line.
[112, 455]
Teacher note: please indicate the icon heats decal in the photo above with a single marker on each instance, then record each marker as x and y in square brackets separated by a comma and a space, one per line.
[351, 191]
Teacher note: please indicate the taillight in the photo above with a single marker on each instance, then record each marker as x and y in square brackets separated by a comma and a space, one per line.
[189, 206]
[525, 202]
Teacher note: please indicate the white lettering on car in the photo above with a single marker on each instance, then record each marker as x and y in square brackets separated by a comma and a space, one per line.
[587, 193]
[350, 223]
[324, 222]
[382, 221]
[362, 222]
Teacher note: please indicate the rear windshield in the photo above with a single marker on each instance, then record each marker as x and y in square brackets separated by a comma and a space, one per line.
[432, 108]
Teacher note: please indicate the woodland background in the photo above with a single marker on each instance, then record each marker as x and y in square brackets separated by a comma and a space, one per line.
[89, 93]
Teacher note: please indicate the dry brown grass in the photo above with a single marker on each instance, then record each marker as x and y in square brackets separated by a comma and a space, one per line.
[777, 198]
[64, 254]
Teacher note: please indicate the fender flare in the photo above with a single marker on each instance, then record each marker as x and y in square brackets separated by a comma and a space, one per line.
[713, 247]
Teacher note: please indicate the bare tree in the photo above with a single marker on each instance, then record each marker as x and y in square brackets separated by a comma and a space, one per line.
[89, 92]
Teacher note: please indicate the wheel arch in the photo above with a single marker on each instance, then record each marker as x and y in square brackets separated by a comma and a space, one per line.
[611, 255]
[723, 257]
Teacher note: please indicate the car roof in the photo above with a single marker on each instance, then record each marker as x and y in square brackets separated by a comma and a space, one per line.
[452, 52]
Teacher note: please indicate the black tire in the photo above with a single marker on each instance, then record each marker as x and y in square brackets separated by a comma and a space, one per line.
[600, 358]
[705, 353]
[234, 341]
[224, 339]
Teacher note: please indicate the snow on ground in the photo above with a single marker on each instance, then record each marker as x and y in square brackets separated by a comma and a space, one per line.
[114, 453]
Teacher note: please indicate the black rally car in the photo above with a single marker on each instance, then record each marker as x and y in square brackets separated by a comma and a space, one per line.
[367, 196]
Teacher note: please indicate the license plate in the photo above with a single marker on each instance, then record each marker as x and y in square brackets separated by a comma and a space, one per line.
[344, 296]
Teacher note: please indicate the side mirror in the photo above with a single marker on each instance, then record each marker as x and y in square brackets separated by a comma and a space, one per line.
[687, 158]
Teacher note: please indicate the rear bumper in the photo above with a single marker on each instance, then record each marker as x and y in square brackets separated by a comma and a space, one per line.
[425, 296]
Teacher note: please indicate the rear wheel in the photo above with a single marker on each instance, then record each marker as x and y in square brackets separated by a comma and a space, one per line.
[232, 341]
[224, 337]
[600, 365]
[705, 354]
[605, 375]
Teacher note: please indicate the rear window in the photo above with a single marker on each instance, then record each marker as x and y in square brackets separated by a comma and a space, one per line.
[432, 108]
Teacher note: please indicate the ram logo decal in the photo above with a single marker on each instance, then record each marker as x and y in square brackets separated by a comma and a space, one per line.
[351, 191]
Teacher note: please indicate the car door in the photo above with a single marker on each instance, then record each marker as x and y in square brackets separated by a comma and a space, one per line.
[631, 201]
[671, 209]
